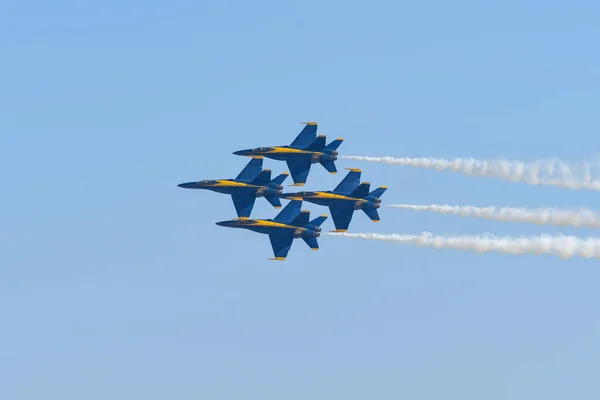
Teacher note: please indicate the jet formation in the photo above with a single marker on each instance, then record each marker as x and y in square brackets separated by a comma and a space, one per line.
[292, 222]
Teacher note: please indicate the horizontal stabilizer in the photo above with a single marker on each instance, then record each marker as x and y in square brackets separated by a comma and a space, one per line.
[372, 213]
[311, 242]
[274, 200]
[251, 170]
[361, 191]
[329, 166]
[263, 178]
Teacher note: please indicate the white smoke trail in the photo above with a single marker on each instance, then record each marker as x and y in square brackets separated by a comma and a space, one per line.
[541, 172]
[542, 216]
[562, 246]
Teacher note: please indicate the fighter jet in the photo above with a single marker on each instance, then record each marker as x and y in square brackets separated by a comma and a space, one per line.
[289, 224]
[348, 196]
[305, 150]
[251, 183]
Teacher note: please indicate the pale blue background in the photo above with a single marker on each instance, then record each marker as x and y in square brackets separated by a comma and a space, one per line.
[117, 284]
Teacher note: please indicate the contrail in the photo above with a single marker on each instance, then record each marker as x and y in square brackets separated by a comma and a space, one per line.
[542, 216]
[541, 172]
[562, 246]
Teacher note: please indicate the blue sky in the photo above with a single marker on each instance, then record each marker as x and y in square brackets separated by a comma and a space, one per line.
[116, 283]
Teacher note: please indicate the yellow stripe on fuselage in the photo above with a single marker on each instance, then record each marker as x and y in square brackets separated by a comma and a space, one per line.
[234, 184]
[281, 150]
[269, 224]
[323, 195]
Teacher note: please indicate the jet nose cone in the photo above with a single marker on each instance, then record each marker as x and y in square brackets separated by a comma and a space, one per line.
[221, 223]
[187, 185]
[241, 152]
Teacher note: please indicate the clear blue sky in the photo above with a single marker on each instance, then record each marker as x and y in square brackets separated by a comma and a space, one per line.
[115, 283]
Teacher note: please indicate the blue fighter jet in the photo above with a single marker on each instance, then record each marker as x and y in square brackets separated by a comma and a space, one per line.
[251, 183]
[289, 224]
[305, 150]
[348, 196]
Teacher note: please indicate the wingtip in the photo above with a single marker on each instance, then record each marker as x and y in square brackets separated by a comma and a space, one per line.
[295, 198]
[340, 138]
[285, 173]
[276, 206]
[306, 211]
[339, 231]
[383, 187]
[258, 157]
[376, 220]
[314, 248]
[297, 184]
[333, 172]
[277, 259]
[324, 215]
[354, 169]
[309, 123]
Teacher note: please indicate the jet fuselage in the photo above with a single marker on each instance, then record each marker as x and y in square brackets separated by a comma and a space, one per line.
[267, 226]
[329, 198]
[229, 186]
[285, 153]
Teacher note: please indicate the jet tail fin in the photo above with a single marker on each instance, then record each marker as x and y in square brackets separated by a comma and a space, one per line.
[334, 144]
[361, 191]
[315, 225]
[301, 219]
[318, 144]
[263, 178]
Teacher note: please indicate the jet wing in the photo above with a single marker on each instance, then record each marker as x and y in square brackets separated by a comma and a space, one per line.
[289, 213]
[341, 215]
[281, 244]
[299, 169]
[349, 183]
[244, 203]
[251, 170]
[306, 136]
